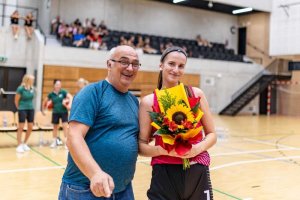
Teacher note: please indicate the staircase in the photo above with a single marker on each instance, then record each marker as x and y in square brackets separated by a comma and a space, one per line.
[277, 70]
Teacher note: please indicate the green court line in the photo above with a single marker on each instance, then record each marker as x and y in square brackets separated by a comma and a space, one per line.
[39, 153]
[227, 194]
[57, 164]
[216, 190]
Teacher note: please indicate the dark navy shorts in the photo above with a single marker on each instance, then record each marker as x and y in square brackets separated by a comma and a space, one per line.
[26, 115]
[57, 116]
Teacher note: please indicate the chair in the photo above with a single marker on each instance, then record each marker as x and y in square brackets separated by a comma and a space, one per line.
[44, 123]
[7, 120]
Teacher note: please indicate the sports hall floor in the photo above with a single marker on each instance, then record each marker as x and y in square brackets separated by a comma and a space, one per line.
[255, 158]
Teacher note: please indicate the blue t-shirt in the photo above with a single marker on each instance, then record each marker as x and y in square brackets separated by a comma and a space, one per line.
[112, 137]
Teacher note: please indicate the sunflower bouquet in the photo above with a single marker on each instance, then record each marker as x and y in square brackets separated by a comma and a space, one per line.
[176, 120]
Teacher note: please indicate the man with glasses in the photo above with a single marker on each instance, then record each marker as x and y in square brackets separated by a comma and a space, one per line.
[102, 137]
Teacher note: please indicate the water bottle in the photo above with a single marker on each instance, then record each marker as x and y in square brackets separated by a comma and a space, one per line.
[4, 121]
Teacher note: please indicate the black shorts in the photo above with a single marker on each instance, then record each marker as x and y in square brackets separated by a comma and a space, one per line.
[26, 115]
[57, 116]
[171, 182]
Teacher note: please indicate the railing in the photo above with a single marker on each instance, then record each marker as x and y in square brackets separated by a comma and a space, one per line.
[277, 67]
[23, 10]
[259, 50]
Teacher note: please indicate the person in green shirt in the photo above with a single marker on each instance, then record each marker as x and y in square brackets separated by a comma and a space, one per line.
[23, 102]
[61, 100]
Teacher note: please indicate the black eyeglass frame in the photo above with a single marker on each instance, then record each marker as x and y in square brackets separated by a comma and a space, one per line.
[126, 64]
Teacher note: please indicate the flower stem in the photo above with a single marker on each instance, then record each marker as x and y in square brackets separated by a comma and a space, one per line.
[186, 163]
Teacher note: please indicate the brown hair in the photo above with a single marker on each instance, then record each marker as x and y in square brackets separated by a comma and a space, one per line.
[163, 56]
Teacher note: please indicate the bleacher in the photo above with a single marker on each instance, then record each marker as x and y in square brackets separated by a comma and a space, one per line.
[216, 52]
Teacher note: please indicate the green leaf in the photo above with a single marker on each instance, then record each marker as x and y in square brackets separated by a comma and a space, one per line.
[195, 108]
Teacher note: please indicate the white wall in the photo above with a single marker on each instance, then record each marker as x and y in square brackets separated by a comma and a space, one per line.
[227, 77]
[284, 29]
[150, 17]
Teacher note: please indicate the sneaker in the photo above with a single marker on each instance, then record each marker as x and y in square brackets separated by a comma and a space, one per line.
[26, 147]
[20, 149]
[54, 144]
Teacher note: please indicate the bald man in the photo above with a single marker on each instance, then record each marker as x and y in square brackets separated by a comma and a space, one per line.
[102, 138]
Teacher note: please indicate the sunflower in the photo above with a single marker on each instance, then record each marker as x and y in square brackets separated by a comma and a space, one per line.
[178, 114]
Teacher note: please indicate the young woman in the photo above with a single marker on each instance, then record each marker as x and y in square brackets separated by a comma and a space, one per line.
[24, 105]
[61, 100]
[14, 20]
[169, 180]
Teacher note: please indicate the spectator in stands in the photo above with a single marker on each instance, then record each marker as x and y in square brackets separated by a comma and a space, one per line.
[87, 23]
[170, 181]
[62, 101]
[93, 23]
[14, 20]
[103, 134]
[103, 27]
[95, 39]
[148, 48]
[140, 43]
[103, 46]
[55, 23]
[28, 25]
[77, 22]
[123, 40]
[79, 38]
[23, 101]
[62, 29]
[130, 42]
[203, 42]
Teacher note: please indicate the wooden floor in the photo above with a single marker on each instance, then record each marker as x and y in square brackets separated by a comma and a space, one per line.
[256, 157]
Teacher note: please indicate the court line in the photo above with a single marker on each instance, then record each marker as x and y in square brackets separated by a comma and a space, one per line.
[31, 169]
[252, 161]
[254, 151]
[270, 143]
[39, 153]
[226, 194]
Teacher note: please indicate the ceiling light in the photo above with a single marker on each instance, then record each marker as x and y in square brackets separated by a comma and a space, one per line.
[177, 1]
[243, 10]
[210, 4]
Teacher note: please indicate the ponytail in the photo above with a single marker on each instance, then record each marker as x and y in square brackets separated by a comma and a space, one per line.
[159, 82]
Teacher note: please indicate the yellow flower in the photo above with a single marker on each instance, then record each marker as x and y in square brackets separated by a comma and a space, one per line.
[179, 113]
[178, 92]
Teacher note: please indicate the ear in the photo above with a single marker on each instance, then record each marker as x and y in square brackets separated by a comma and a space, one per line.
[160, 66]
[108, 64]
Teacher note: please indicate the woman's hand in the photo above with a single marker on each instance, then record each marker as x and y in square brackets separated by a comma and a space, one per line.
[194, 151]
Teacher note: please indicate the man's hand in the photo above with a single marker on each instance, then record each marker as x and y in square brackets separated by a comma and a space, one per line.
[102, 184]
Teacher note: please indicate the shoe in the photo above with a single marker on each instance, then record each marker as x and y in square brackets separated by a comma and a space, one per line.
[26, 147]
[58, 141]
[54, 144]
[20, 149]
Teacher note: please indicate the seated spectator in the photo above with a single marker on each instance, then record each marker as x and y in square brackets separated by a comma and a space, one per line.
[61, 30]
[102, 25]
[147, 47]
[55, 23]
[79, 38]
[130, 42]
[95, 39]
[203, 42]
[14, 20]
[28, 25]
[87, 23]
[103, 46]
[77, 22]
[93, 23]
[140, 43]
[123, 41]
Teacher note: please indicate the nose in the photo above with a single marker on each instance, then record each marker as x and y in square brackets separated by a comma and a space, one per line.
[130, 67]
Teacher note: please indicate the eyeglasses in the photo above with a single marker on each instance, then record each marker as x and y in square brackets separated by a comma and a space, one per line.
[125, 64]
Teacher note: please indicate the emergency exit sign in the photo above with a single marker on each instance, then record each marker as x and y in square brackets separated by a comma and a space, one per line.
[3, 59]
